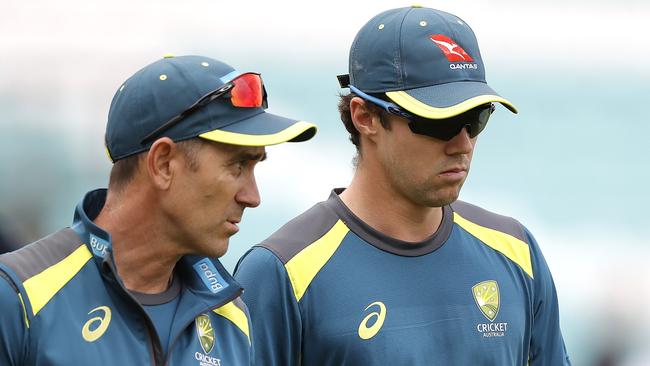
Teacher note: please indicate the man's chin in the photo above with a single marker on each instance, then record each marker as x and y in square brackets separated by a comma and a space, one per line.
[222, 250]
[217, 249]
[440, 200]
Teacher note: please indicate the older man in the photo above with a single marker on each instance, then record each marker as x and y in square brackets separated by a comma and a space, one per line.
[135, 279]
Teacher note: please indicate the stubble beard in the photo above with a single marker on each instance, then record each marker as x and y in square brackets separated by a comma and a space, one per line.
[428, 193]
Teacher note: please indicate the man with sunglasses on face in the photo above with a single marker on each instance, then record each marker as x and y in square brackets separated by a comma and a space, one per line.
[393, 270]
[135, 280]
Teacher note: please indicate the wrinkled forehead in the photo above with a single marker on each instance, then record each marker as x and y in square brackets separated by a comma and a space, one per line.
[239, 152]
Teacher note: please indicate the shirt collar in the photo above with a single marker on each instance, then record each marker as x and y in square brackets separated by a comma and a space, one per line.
[97, 240]
[385, 242]
[204, 276]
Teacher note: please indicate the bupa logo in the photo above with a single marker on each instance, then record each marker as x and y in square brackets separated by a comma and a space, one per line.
[209, 275]
[451, 49]
[99, 246]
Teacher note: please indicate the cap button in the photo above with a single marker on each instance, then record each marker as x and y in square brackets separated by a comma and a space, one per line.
[168, 55]
[416, 6]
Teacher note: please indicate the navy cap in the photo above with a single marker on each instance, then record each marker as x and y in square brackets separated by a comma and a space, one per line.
[162, 90]
[425, 60]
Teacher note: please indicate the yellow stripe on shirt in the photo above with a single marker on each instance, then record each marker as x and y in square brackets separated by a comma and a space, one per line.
[42, 287]
[304, 266]
[513, 248]
[236, 315]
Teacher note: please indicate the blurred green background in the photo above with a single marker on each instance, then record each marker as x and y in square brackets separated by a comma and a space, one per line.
[572, 166]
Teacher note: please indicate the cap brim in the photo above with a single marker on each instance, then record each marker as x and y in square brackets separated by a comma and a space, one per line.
[447, 100]
[262, 129]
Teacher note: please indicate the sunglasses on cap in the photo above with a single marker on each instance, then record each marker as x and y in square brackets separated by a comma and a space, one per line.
[474, 120]
[244, 91]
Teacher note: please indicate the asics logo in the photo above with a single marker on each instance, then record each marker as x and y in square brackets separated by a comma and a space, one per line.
[451, 49]
[98, 329]
[366, 331]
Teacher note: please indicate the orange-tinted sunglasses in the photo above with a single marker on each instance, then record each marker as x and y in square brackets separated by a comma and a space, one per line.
[244, 91]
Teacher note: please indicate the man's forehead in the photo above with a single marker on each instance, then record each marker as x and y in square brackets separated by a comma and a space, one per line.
[249, 149]
[253, 152]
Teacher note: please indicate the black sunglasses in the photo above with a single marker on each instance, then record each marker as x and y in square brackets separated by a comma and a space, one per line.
[473, 120]
[445, 129]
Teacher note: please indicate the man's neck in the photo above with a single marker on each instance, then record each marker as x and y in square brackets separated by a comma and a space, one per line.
[373, 201]
[143, 261]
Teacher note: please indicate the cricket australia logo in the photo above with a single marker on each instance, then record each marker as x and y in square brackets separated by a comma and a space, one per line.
[486, 295]
[487, 298]
[205, 332]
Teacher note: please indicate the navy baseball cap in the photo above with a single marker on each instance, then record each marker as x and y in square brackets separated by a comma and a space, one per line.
[424, 60]
[166, 88]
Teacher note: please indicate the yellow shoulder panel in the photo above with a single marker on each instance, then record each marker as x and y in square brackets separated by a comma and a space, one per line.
[41, 288]
[308, 262]
[513, 248]
[236, 315]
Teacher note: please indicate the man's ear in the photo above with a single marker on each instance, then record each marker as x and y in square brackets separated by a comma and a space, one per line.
[162, 161]
[364, 120]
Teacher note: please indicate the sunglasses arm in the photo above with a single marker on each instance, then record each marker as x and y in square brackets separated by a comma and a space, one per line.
[387, 106]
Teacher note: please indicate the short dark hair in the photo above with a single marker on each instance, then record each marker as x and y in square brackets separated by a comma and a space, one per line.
[346, 118]
[124, 170]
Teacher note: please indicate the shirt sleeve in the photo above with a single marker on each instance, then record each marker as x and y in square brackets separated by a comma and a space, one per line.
[547, 345]
[275, 314]
[13, 327]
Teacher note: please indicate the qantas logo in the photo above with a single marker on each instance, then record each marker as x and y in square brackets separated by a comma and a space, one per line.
[452, 50]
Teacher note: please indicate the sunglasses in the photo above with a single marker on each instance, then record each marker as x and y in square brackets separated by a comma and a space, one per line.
[244, 91]
[474, 120]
